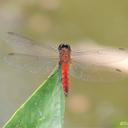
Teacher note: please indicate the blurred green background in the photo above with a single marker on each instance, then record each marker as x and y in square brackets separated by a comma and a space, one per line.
[95, 105]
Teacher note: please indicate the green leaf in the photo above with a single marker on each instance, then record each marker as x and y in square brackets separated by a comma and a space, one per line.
[44, 109]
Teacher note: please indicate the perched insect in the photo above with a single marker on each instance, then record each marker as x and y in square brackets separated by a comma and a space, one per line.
[64, 61]
[85, 65]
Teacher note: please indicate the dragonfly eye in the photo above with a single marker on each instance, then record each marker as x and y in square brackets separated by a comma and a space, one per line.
[62, 45]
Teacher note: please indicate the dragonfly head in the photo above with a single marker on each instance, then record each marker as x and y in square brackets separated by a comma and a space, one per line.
[64, 53]
[63, 45]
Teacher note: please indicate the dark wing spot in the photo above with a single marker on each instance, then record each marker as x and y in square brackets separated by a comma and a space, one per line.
[11, 54]
[11, 33]
[118, 70]
[123, 49]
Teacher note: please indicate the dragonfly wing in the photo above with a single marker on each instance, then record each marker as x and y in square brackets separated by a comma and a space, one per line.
[101, 55]
[95, 73]
[34, 64]
[21, 44]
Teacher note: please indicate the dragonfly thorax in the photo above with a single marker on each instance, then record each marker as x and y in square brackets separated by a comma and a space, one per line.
[64, 53]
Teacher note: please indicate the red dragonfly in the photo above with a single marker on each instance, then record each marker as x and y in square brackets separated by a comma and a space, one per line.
[42, 58]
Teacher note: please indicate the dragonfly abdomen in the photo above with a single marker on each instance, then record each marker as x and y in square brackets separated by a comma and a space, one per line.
[65, 80]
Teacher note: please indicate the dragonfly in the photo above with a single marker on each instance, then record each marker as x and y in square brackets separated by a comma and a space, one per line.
[37, 58]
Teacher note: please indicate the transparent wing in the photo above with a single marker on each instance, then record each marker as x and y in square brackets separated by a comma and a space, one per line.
[21, 44]
[95, 73]
[91, 47]
[34, 64]
[101, 55]
[106, 64]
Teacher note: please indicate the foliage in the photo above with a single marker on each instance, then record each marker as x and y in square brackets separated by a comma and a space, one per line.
[44, 109]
